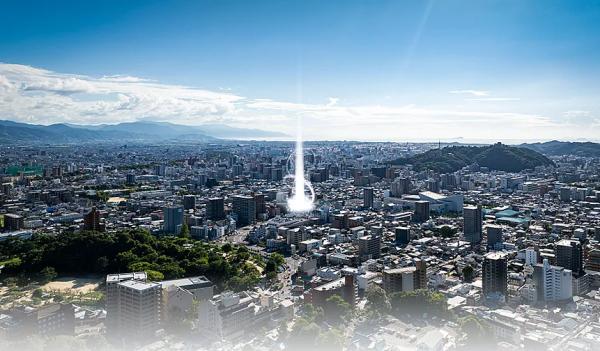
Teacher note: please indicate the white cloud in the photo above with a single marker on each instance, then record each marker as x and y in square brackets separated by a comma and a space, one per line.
[34, 95]
[471, 92]
[581, 118]
[42, 96]
[495, 99]
[332, 101]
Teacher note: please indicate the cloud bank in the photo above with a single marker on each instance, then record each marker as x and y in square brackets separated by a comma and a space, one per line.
[34, 95]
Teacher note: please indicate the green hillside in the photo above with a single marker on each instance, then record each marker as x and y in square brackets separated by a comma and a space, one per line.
[496, 157]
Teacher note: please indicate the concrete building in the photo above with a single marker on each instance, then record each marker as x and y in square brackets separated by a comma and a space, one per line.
[473, 221]
[244, 207]
[495, 274]
[173, 219]
[421, 211]
[553, 283]
[494, 235]
[368, 197]
[229, 315]
[402, 236]
[569, 255]
[46, 321]
[91, 221]
[215, 209]
[133, 306]
[400, 186]
[369, 246]
[112, 297]
[13, 222]
[179, 296]
[399, 279]
[138, 308]
[406, 278]
[189, 202]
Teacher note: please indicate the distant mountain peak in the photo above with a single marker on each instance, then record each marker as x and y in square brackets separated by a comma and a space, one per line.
[145, 130]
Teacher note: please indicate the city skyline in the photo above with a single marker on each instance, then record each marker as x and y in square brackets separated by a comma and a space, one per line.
[393, 71]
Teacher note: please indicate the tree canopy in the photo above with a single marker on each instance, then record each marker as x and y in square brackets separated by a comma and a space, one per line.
[131, 250]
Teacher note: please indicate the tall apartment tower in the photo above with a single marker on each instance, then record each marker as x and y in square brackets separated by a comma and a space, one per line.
[173, 219]
[569, 255]
[112, 297]
[261, 203]
[368, 197]
[91, 221]
[400, 186]
[369, 245]
[215, 209]
[420, 274]
[495, 274]
[138, 308]
[473, 222]
[553, 283]
[245, 209]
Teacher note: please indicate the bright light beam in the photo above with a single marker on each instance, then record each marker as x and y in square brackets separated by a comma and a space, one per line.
[299, 201]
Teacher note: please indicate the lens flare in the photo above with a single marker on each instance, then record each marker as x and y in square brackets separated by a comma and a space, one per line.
[299, 201]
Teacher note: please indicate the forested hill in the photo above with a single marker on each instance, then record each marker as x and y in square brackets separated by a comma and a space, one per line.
[496, 157]
[557, 148]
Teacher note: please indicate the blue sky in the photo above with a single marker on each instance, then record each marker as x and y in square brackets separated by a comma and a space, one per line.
[376, 70]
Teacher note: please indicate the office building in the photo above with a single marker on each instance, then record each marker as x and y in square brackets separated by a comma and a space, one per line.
[189, 202]
[565, 194]
[368, 197]
[494, 236]
[244, 207]
[276, 174]
[173, 219]
[295, 236]
[495, 274]
[261, 204]
[569, 255]
[402, 235]
[473, 222]
[215, 209]
[421, 211]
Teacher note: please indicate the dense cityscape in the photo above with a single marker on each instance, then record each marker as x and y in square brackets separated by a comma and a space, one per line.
[192, 246]
[299, 175]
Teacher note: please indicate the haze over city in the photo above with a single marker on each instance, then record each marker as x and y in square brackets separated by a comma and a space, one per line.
[388, 70]
[293, 175]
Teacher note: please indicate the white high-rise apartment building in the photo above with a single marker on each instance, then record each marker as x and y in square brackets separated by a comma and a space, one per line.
[553, 283]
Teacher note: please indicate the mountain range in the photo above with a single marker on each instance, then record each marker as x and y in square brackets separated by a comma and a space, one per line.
[495, 157]
[559, 148]
[141, 131]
